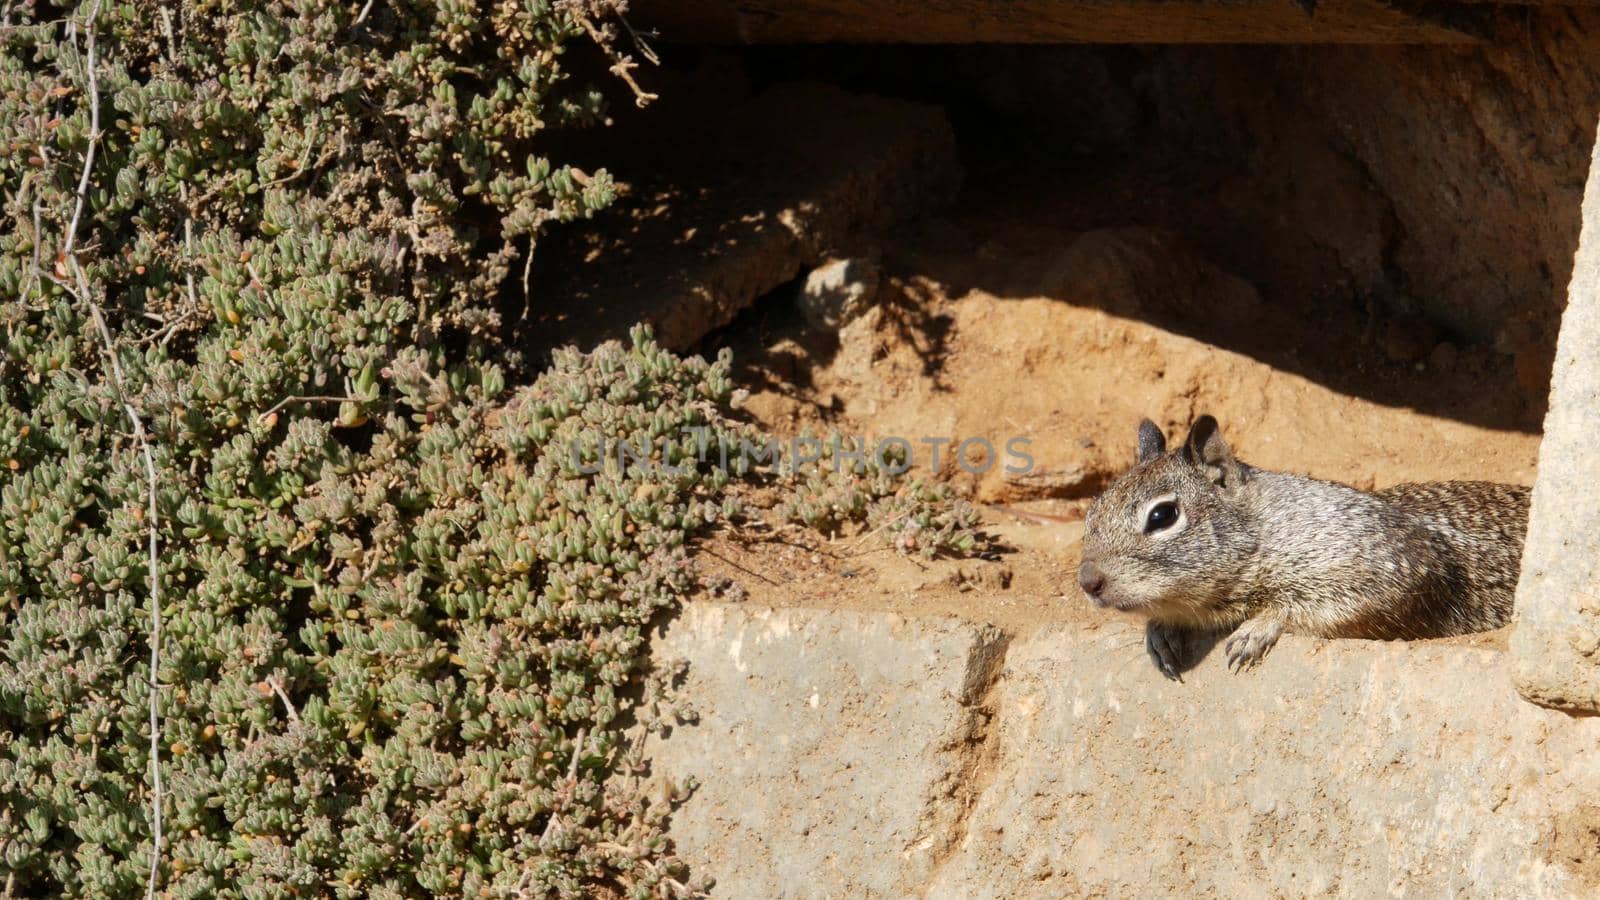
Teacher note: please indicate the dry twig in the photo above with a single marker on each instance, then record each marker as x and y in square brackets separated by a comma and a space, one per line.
[314, 398]
[277, 688]
[69, 254]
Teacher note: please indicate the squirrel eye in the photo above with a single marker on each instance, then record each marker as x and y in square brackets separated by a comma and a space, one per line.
[1161, 516]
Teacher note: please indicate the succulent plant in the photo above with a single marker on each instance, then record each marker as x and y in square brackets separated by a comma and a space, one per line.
[396, 629]
[401, 617]
[853, 484]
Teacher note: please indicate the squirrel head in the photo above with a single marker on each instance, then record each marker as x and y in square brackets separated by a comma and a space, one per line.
[1171, 536]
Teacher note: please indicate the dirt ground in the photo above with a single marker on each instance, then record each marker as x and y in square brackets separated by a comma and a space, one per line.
[999, 321]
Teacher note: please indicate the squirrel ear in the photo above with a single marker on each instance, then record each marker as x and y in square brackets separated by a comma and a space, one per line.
[1152, 443]
[1206, 448]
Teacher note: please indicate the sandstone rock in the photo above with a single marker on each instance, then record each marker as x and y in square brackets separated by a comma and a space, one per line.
[1072, 481]
[1455, 174]
[1049, 21]
[1351, 768]
[1150, 274]
[839, 291]
[1558, 597]
[730, 212]
[832, 749]
[848, 754]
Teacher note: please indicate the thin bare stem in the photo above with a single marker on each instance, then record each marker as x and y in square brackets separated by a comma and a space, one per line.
[315, 398]
[188, 251]
[38, 247]
[94, 130]
[172, 40]
[183, 190]
[141, 437]
[277, 688]
[527, 271]
[577, 752]
[572, 778]
[645, 50]
[622, 65]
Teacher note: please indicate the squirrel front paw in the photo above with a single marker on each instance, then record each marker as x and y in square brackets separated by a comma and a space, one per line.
[1167, 648]
[1250, 642]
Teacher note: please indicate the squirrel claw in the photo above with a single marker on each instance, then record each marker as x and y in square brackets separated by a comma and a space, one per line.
[1250, 643]
[1165, 646]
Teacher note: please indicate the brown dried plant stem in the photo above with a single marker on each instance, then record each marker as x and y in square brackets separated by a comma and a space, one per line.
[69, 253]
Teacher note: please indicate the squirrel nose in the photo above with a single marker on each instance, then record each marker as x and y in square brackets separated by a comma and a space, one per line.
[1091, 579]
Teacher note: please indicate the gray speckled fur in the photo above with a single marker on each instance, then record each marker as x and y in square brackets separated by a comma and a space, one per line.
[1272, 551]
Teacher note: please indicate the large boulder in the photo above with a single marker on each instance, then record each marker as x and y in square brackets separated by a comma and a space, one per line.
[1558, 597]
[867, 754]
[833, 752]
[1349, 768]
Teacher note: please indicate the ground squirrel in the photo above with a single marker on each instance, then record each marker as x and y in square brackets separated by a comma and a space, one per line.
[1197, 541]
